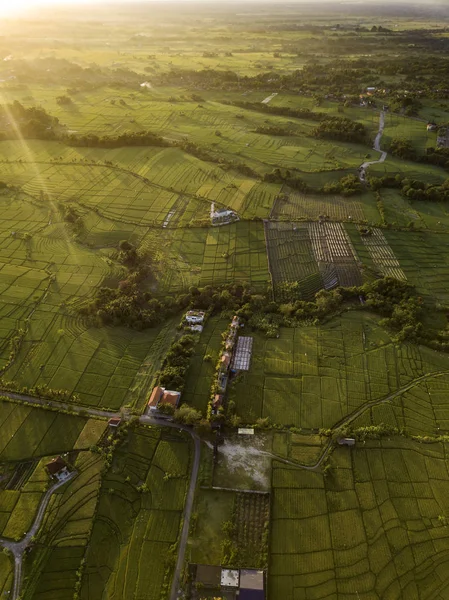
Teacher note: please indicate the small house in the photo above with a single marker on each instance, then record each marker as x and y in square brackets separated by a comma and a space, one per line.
[432, 126]
[57, 468]
[346, 441]
[245, 431]
[223, 216]
[230, 578]
[195, 316]
[160, 395]
[114, 422]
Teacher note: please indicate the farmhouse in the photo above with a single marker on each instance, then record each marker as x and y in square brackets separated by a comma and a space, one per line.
[160, 395]
[194, 317]
[114, 422]
[224, 216]
[57, 468]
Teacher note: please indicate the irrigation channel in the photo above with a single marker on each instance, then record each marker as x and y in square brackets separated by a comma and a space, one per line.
[365, 165]
[18, 548]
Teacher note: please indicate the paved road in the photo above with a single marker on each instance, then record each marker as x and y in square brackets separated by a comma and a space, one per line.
[17, 548]
[362, 171]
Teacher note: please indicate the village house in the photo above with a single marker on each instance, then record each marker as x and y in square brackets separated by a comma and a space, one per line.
[114, 422]
[160, 395]
[194, 317]
[224, 216]
[57, 469]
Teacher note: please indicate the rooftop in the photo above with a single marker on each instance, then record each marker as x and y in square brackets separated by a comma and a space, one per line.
[56, 465]
[230, 578]
[155, 396]
[170, 397]
[251, 579]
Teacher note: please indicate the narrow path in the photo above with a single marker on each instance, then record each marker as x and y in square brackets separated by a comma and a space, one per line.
[365, 165]
[353, 416]
[18, 548]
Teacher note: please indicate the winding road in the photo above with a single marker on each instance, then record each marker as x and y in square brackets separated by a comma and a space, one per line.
[365, 165]
[18, 548]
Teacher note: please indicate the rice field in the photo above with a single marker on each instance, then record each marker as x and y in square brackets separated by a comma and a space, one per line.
[311, 377]
[300, 206]
[317, 255]
[138, 518]
[54, 562]
[373, 527]
[27, 432]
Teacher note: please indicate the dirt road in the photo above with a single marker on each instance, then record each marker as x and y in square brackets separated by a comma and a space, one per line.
[365, 165]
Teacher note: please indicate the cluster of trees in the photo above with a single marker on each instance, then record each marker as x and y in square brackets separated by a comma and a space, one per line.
[404, 149]
[392, 299]
[29, 123]
[71, 215]
[346, 186]
[412, 189]
[342, 129]
[140, 138]
[174, 369]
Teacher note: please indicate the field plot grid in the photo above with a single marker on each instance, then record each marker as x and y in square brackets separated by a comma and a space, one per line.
[297, 205]
[335, 254]
[291, 257]
[382, 254]
[373, 529]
